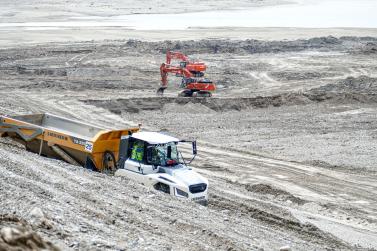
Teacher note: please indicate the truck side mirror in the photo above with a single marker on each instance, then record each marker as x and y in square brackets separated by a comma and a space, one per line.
[168, 154]
[194, 150]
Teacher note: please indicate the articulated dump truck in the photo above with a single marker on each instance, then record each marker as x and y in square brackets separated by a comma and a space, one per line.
[148, 157]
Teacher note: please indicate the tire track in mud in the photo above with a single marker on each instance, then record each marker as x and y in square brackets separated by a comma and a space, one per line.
[323, 183]
[307, 231]
[228, 187]
[291, 220]
[327, 185]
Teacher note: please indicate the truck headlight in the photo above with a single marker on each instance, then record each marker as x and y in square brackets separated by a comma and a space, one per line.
[181, 193]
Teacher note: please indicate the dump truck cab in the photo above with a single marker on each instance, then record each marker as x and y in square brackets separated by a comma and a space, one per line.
[154, 159]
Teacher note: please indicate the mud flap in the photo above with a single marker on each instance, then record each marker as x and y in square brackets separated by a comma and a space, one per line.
[89, 164]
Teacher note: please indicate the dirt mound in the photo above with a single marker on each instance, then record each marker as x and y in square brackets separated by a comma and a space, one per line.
[204, 46]
[206, 105]
[250, 45]
[41, 71]
[362, 84]
[367, 49]
[136, 105]
[304, 75]
[211, 46]
[17, 234]
[73, 85]
[362, 89]
[268, 189]
[190, 107]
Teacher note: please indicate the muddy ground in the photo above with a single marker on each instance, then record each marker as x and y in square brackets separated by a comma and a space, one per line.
[288, 143]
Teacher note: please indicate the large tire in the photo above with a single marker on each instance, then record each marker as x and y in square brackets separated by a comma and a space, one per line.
[109, 163]
[162, 187]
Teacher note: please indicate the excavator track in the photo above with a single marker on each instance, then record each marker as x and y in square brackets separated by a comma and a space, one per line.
[186, 93]
[202, 94]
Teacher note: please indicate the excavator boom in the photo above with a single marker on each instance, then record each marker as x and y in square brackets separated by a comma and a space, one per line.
[193, 66]
[175, 55]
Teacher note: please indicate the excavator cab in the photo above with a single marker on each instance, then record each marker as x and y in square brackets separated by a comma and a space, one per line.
[182, 64]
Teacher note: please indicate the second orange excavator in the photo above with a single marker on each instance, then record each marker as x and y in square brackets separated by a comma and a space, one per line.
[192, 74]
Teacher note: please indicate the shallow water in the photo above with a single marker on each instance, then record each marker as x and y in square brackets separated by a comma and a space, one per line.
[304, 14]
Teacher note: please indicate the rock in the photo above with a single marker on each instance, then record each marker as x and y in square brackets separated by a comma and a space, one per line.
[37, 213]
[8, 233]
[22, 238]
[285, 248]
[38, 218]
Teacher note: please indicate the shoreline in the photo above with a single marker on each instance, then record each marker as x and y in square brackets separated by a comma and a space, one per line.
[21, 37]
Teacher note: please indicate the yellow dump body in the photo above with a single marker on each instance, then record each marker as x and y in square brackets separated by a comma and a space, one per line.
[41, 133]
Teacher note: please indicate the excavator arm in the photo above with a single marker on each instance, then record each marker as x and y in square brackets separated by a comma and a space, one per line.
[165, 69]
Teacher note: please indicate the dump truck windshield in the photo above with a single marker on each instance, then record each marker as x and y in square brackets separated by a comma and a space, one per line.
[165, 154]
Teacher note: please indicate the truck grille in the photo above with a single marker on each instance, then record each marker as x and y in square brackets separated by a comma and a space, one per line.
[198, 188]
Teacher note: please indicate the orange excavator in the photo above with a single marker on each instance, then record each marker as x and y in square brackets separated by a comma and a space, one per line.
[191, 73]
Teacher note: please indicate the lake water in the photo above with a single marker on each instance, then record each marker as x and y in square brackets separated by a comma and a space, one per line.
[304, 14]
[319, 14]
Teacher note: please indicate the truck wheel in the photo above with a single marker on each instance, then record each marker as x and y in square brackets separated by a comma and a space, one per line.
[162, 187]
[109, 163]
[204, 203]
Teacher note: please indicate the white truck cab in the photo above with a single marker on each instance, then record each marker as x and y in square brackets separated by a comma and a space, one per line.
[155, 160]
